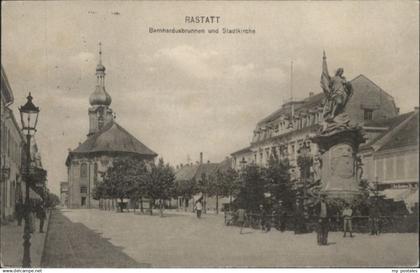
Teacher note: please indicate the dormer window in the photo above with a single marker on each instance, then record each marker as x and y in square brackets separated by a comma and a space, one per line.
[368, 114]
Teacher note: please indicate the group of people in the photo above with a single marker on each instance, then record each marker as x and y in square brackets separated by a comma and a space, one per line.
[38, 209]
[347, 215]
[265, 218]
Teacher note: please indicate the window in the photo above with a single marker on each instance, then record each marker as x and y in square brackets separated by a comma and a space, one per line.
[83, 170]
[389, 168]
[95, 172]
[368, 114]
[400, 167]
[83, 189]
[380, 169]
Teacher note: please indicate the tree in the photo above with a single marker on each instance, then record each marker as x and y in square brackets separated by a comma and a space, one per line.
[227, 183]
[158, 183]
[251, 189]
[277, 181]
[52, 200]
[186, 189]
[120, 179]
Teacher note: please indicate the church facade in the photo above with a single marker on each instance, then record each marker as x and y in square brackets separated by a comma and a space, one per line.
[106, 141]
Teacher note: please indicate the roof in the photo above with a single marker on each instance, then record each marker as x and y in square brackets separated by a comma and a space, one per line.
[389, 123]
[186, 172]
[6, 90]
[196, 171]
[401, 131]
[243, 150]
[308, 103]
[406, 135]
[113, 138]
[360, 84]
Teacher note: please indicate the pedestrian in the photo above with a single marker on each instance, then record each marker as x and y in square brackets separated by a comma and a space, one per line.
[241, 218]
[198, 208]
[19, 212]
[323, 221]
[41, 214]
[374, 219]
[262, 217]
[29, 216]
[299, 219]
[347, 219]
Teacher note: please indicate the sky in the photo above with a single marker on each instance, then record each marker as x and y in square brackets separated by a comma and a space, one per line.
[182, 94]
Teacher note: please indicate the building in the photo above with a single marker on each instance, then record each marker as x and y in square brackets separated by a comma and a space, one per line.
[195, 173]
[106, 140]
[12, 155]
[64, 194]
[285, 131]
[391, 156]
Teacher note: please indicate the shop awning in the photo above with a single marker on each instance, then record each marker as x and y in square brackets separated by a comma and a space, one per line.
[409, 196]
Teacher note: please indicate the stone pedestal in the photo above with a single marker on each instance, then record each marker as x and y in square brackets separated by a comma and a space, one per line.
[339, 171]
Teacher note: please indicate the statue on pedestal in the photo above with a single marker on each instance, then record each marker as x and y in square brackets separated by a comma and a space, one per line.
[338, 141]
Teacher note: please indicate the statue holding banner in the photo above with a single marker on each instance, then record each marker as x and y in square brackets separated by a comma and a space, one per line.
[338, 141]
[337, 92]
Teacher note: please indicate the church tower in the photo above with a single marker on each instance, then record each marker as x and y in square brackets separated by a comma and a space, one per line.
[100, 113]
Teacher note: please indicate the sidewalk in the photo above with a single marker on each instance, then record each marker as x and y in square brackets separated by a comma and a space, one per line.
[12, 244]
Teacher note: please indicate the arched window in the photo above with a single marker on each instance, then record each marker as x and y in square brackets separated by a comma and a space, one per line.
[95, 172]
[83, 170]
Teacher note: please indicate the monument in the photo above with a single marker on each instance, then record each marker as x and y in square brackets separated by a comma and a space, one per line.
[338, 140]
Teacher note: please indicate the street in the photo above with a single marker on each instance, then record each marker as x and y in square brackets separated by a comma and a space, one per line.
[95, 238]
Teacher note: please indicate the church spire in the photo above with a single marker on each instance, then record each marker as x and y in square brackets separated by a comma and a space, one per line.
[100, 96]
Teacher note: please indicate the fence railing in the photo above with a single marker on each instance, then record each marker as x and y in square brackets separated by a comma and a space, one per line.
[395, 223]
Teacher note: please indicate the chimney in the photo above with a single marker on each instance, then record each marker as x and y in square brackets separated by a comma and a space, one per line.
[311, 94]
[201, 158]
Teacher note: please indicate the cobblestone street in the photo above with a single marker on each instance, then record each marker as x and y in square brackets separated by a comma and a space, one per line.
[95, 238]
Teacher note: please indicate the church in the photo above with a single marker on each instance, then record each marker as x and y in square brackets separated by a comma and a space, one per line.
[106, 140]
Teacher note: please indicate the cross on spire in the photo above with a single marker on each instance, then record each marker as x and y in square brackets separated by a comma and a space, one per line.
[100, 52]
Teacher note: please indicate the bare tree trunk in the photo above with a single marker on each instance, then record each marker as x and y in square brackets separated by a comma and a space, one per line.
[141, 205]
[205, 203]
[151, 207]
[161, 207]
[121, 205]
[217, 203]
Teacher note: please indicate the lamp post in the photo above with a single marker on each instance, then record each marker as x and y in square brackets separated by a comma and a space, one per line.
[305, 161]
[29, 118]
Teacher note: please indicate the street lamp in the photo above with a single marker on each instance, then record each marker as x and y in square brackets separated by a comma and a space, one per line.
[305, 162]
[29, 118]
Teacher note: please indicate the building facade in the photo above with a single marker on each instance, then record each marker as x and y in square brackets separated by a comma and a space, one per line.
[12, 144]
[391, 158]
[286, 130]
[64, 194]
[106, 140]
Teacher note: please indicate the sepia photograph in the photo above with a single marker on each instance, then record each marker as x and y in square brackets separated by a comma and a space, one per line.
[209, 134]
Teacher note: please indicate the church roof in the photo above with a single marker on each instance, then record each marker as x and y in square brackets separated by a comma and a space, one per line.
[113, 138]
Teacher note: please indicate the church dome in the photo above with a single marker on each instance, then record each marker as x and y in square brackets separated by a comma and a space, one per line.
[100, 97]
[100, 67]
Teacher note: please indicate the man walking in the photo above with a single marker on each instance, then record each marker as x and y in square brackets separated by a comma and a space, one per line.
[241, 218]
[41, 214]
[347, 217]
[323, 224]
[198, 208]
[19, 212]
[374, 219]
